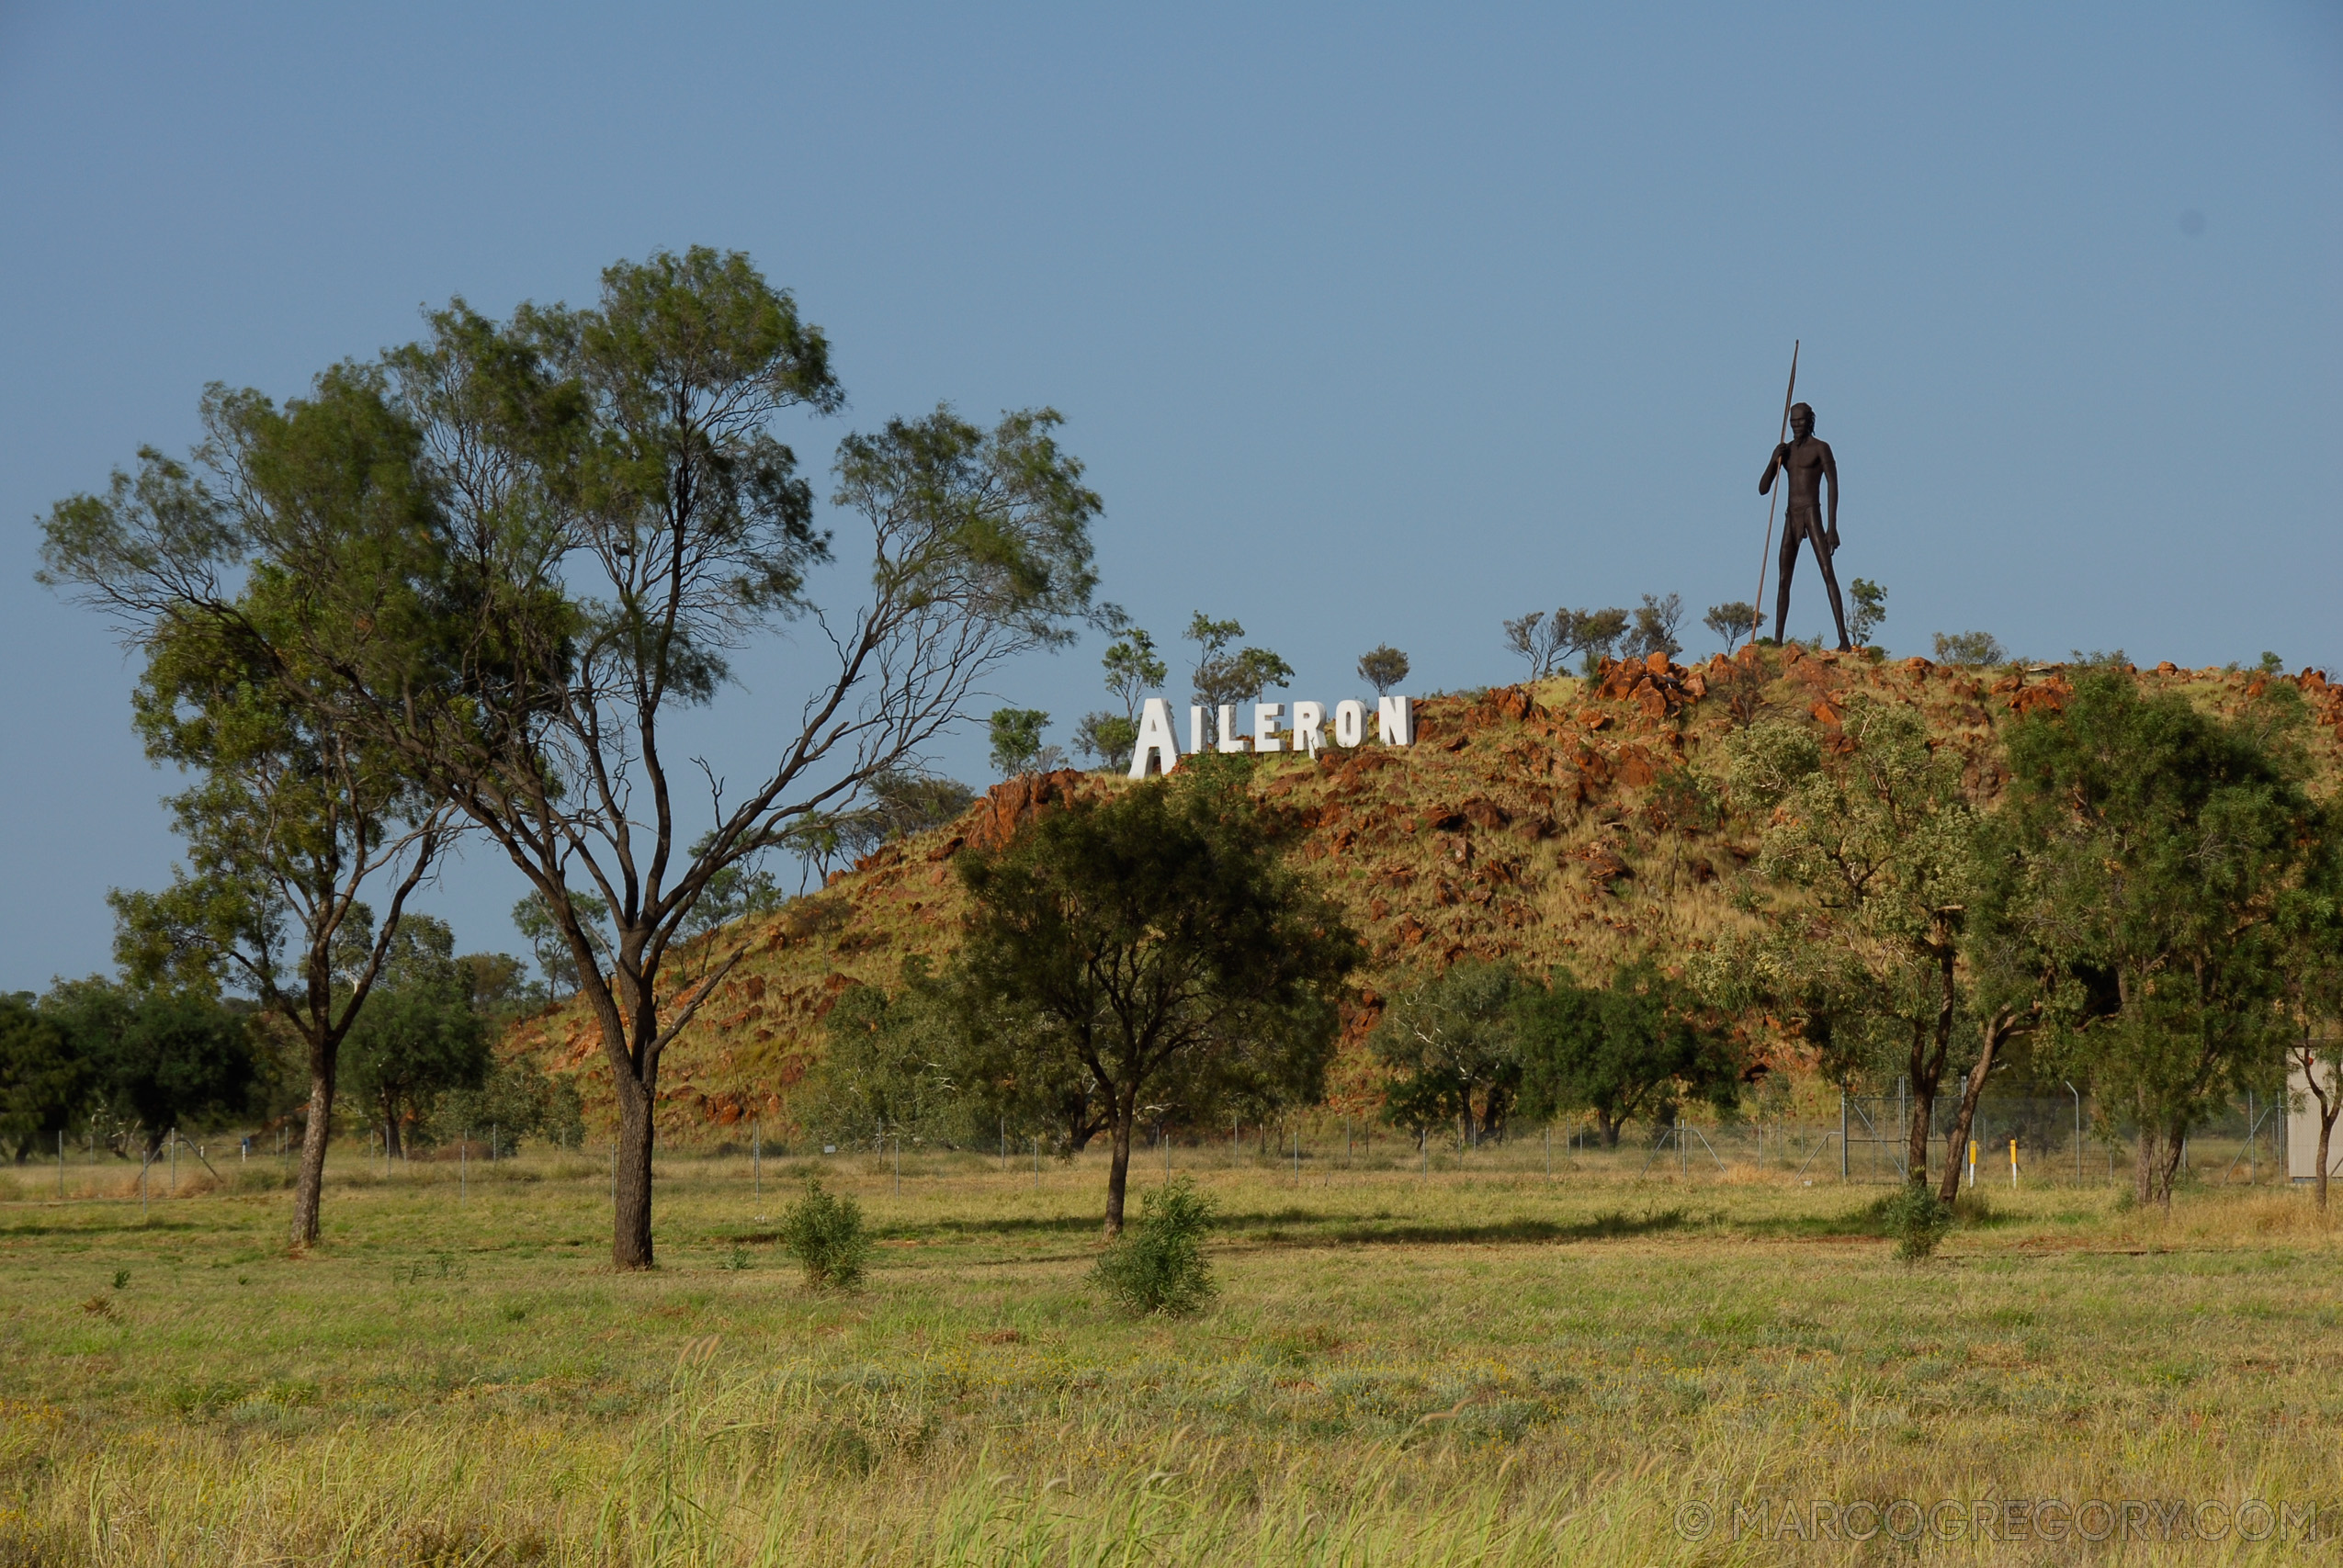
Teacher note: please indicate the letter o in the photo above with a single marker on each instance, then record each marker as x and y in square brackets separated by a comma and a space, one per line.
[2107, 1520]
[1896, 1531]
[2262, 1516]
[1350, 722]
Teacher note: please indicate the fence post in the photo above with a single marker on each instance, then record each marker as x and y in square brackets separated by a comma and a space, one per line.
[1842, 1135]
[2079, 1132]
[1904, 1120]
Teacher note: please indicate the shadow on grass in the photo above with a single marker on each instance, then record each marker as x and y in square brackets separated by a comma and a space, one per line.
[1297, 1227]
[1971, 1212]
[133, 1225]
[1615, 1225]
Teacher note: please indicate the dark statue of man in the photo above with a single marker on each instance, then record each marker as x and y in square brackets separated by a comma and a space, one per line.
[1808, 463]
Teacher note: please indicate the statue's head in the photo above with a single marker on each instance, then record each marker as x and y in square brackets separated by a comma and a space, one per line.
[1801, 420]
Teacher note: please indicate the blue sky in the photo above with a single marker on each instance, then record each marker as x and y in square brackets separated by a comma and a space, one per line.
[1372, 324]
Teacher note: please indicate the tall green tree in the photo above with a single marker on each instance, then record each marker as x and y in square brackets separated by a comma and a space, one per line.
[1154, 947]
[2312, 991]
[1227, 676]
[1133, 670]
[42, 1081]
[2169, 852]
[1450, 1045]
[622, 517]
[613, 517]
[1893, 860]
[1017, 746]
[159, 1059]
[294, 813]
[1640, 1046]
[420, 1035]
[892, 1069]
[1383, 667]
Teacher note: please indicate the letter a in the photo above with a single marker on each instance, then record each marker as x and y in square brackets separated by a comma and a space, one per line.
[1155, 738]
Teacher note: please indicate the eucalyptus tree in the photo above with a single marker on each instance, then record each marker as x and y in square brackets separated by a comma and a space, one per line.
[1638, 1046]
[2171, 852]
[1892, 856]
[1149, 947]
[611, 519]
[421, 1034]
[1452, 1046]
[619, 520]
[1223, 677]
[296, 809]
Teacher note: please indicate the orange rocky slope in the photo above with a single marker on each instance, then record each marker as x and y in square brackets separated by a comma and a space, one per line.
[1571, 822]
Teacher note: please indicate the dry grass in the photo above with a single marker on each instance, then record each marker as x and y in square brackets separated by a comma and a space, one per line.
[1469, 1367]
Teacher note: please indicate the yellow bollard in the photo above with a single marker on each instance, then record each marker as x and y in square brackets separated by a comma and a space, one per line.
[1973, 1162]
[2013, 1165]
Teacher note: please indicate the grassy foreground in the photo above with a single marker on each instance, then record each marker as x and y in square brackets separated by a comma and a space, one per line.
[1471, 1366]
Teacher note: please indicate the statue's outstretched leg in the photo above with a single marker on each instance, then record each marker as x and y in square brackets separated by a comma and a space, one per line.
[1830, 581]
[1790, 539]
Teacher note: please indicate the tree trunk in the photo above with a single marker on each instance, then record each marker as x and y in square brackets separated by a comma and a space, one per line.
[1997, 1029]
[2326, 1134]
[2144, 1166]
[392, 1147]
[630, 1226]
[2176, 1143]
[1916, 1128]
[1927, 1074]
[1118, 1171]
[1608, 1126]
[310, 1185]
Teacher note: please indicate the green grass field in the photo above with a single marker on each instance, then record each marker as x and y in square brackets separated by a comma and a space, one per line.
[1464, 1367]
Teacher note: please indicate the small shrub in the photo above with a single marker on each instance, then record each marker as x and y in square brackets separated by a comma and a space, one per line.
[826, 1235]
[1917, 1219]
[1157, 1265]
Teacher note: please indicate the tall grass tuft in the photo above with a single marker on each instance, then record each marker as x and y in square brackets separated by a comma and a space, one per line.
[1158, 1266]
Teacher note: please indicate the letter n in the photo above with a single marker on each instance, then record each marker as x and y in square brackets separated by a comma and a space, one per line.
[1395, 721]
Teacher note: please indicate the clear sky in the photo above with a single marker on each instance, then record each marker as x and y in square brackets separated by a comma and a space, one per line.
[1372, 324]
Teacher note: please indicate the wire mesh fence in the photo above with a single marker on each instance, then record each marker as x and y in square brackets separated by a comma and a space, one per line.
[2022, 1140]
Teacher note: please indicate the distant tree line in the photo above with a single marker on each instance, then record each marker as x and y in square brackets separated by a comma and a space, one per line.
[106, 1064]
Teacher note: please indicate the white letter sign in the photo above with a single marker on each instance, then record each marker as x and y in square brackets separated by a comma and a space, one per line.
[1155, 740]
[1395, 721]
[1310, 724]
[1230, 741]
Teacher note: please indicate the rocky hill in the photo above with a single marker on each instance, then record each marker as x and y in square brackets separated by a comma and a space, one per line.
[1571, 822]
